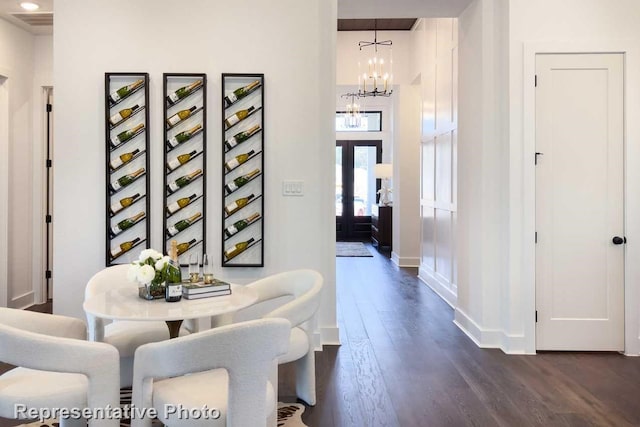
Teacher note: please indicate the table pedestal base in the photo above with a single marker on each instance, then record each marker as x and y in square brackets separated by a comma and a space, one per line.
[174, 328]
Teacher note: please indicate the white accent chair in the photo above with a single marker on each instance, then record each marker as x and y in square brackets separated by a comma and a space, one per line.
[305, 286]
[225, 368]
[57, 368]
[126, 336]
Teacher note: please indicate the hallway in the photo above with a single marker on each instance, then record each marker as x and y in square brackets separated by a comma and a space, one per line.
[404, 363]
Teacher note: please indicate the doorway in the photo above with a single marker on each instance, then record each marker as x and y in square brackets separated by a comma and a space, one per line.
[48, 193]
[4, 189]
[580, 242]
[356, 187]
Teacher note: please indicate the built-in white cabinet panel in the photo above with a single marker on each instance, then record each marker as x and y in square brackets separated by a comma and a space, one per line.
[439, 159]
[428, 253]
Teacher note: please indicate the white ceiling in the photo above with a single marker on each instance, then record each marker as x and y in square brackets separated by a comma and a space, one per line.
[350, 9]
[347, 9]
[9, 7]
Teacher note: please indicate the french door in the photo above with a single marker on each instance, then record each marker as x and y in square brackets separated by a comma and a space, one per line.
[356, 187]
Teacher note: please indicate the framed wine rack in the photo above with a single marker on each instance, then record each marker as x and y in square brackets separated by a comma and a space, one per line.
[126, 101]
[243, 170]
[185, 162]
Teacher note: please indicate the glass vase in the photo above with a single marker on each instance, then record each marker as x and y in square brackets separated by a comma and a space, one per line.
[152, 291]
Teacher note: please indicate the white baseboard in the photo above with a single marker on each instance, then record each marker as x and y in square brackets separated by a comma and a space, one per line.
[489, 338]
[23, 301]
[327, 336]
[440, 287]
[405, 261]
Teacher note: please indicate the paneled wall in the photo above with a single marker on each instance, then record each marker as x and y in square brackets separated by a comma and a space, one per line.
[437, 42]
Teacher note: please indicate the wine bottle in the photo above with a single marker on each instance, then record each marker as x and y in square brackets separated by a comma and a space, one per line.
[125, 180]
[240, 93]
[123, 203]
[237, 249]
[126, 223]
[183, 92]
[180, 203]
[183, 136]
[240, 181]
[182, 181]
[122, 114]
[126, 135]
[124, 247]
[235, 118]
[180, 160]
[122, 159]
[183, 247]
[183, 224]
[241, 137]
[238, 204]
[173, 285]
[124, 91]
[238, 160]
[240, 225]
[180, 116]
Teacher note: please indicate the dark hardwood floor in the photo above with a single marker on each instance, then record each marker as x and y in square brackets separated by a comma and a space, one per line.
[403, 362]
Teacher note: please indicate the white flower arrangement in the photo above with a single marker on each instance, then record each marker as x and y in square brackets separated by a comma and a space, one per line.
[149, 269]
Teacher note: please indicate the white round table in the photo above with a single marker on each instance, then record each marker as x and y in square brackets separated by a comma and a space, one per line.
[125, 304]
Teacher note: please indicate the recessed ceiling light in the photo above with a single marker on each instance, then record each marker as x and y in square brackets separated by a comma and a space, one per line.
[30, 6]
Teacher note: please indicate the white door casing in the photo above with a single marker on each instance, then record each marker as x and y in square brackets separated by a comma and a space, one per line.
[579, 201]
[4, 188]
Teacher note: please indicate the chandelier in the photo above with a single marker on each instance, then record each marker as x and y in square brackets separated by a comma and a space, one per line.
[352, 118]
[375, 67]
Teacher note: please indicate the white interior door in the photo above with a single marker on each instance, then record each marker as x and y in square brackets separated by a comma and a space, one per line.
[579, 202]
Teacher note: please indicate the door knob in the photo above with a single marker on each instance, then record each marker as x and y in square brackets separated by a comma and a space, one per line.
[617, 240]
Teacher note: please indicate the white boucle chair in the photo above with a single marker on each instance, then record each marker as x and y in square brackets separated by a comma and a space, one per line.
[57, 368]
[305, 287]
[126, 336]
[225, 368]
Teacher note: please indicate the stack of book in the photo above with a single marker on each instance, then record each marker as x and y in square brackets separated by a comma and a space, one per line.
[202, 290]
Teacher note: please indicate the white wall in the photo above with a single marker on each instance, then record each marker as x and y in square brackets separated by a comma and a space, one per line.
[496, 199]
[567, 26]
[42, 78]
[17, 63]
[299, 65]
[406, 176]
[437, 64]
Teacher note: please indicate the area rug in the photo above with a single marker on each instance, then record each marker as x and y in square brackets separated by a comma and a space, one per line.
[289, 415]
[352, 249]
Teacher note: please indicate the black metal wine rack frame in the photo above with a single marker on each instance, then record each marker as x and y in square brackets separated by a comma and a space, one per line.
[256, 229]
[112, 153]
[202, 240]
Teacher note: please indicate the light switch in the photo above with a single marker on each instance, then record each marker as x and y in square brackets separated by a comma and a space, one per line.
[293, 188]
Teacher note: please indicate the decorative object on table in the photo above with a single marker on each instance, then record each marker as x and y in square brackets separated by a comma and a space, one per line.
[185, 159]
[384, 171]
[194, 268]
[127, 165]
[352, 249]
[207, 269]
[173, 287]
[200, 290]
[152, 271]
[206, 290]
[375, 67]
[243, 170]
